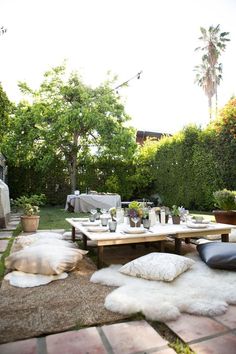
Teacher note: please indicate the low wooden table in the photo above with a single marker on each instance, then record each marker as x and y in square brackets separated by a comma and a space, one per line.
[158, 233]
[179, 236]
[114, 238]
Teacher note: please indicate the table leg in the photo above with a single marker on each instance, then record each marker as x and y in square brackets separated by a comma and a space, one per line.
[100, 257]
[162, 246]
[73, 233]
[84, 242]
[178, 245]
[225, 237]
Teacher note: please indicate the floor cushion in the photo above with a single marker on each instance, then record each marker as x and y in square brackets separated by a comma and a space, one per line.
[157, 266]
[45, 259]
[221, 255]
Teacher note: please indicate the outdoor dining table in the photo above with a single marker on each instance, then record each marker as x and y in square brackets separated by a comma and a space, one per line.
[157, 233]
[85, 202]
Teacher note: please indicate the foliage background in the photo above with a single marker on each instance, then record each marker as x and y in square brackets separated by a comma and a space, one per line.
[184, 169]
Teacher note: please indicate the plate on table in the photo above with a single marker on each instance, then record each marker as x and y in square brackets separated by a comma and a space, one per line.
[80, 219]
[91, 223]
[202, 222]
[197, 226]
[135, 230]
[97, 229]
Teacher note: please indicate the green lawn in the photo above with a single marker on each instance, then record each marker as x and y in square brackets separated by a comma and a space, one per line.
[54, 218]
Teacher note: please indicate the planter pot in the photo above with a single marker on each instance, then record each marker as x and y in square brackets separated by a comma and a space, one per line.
[225, 217]
[30, 223]
[176, 219]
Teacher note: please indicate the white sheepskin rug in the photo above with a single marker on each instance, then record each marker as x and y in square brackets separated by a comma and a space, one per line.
[28, 280]
[200, 291]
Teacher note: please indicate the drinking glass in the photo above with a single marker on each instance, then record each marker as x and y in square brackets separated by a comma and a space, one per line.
[93, 214]
[93, 211]
[104, 211]
[135, 219]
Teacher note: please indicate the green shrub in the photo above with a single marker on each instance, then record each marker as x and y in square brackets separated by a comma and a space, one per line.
[225, 199]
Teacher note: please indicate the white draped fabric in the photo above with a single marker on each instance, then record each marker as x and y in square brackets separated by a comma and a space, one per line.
[86, 202]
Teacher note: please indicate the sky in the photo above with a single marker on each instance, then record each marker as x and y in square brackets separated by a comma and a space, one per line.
[157, 37]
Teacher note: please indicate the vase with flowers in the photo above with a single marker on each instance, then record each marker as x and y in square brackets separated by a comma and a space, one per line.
[175, 213]
[135, 213]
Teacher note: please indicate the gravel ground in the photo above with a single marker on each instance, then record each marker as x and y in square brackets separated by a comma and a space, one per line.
[55, 307]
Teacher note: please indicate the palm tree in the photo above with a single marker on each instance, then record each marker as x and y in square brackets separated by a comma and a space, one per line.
[209, 73]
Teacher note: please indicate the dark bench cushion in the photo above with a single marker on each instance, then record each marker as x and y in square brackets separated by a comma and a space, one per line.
[221, 255]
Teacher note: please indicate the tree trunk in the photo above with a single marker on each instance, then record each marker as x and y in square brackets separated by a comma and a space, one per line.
[73, 175]
[73, 165]
[216, 103]
[210, 107]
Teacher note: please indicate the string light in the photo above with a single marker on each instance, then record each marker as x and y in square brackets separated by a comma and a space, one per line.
[137, 76]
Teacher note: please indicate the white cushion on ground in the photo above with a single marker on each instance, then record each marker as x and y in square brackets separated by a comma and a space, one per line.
[67, 236]
[27, 280]
[157, 266]
[45, 259]
[24, 241]
[52, 241]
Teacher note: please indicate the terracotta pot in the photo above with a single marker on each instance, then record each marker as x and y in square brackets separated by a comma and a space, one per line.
[30, 223]
[225, 217]
[176, 219]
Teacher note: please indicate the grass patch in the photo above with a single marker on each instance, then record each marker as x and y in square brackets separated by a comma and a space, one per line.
[4, 255]
[54, 218]
[17, 230]
[174, 341]
[207, 215]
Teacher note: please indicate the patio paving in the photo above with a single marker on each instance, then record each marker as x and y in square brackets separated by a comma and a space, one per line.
[204, 335]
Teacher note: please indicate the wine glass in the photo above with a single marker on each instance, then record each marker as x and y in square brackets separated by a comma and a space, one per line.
[135, 219]
[93, 211]
[104, 211]
[93, 214]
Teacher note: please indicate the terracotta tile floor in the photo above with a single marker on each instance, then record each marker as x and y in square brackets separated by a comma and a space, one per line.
[131, 337]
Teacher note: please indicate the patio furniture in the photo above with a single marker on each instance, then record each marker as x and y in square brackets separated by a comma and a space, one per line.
[158, 233]
[119, 237]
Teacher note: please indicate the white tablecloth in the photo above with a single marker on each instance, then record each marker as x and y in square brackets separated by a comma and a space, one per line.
[86, 202]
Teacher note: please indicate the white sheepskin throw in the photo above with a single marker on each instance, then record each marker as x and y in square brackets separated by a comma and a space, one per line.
[200, 291]
[27, 280]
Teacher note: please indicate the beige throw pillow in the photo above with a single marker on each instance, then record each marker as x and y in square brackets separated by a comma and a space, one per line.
[157, 266]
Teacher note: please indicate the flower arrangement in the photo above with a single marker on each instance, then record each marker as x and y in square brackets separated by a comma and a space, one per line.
[135, 209]
[145, 213]
[175, 211]
[112, 212]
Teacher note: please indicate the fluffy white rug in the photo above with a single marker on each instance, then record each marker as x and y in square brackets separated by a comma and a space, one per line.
[201, 291]
[28, 280]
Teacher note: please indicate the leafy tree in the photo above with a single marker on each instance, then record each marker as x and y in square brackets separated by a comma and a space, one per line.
[5, 110]
[209, 72]
[68, 121]
[225, 144]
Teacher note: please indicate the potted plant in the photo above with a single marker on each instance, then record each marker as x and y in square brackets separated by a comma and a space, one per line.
[225, 201]
[30, 207]
[175, 213]
[135, 213]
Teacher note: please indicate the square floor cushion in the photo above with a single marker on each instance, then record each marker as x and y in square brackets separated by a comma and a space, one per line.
[157, 266]
[221, 255]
